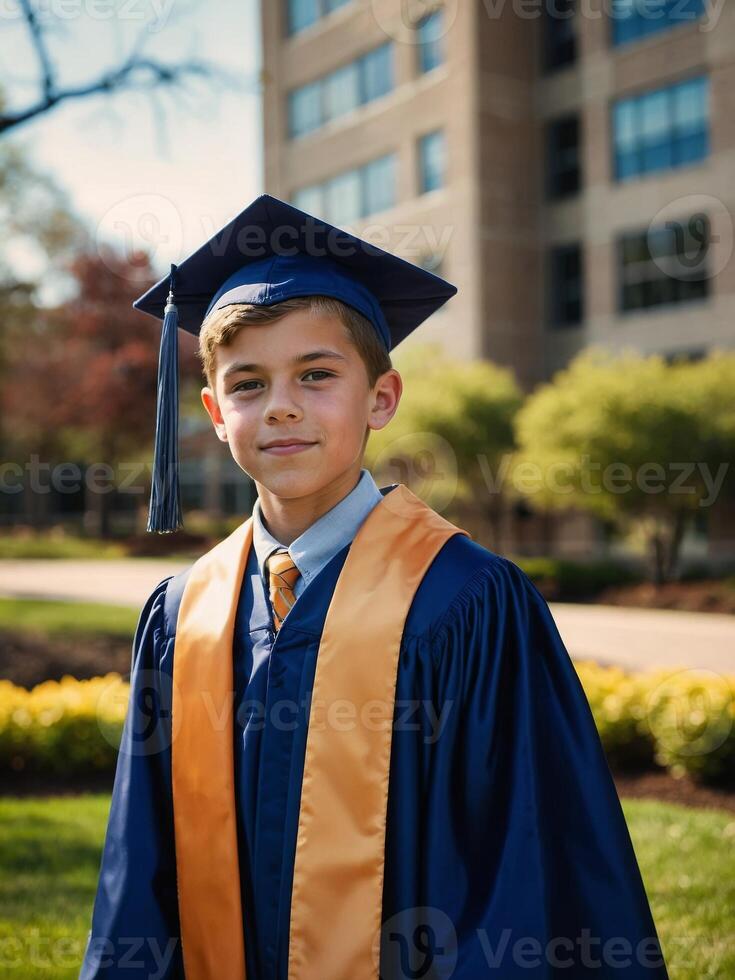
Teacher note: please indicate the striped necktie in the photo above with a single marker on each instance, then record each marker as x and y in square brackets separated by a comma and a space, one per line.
[282, 575]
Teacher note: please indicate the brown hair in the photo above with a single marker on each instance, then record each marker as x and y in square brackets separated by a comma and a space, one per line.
[219, 328]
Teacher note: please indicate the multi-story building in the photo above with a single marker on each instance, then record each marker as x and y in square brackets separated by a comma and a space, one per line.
[568, 165]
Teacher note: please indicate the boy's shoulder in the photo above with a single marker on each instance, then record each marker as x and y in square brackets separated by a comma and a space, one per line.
[462, 573]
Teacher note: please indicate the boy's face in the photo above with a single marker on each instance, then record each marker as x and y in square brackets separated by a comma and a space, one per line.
[299, 378]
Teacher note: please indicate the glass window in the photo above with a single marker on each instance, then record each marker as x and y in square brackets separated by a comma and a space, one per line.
[430, 32]
[377, 72]
[664, 265]
[565, 290]
[344, 198]
[432, 161]
[654, 132]
[379, 178]
[305, 109]
[625, 128]
[302, 14]
[635, 19]
[310, 199]
[661, 129]
[354, 194]
[341, 91]
[691, 115]
[560, 34]
[562, 157]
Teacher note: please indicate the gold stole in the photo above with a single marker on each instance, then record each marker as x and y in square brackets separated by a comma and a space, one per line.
[338, 873]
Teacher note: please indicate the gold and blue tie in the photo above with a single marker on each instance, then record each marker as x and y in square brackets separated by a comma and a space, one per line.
[282, 574]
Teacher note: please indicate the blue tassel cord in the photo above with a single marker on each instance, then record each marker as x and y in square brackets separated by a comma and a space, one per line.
[164, 513]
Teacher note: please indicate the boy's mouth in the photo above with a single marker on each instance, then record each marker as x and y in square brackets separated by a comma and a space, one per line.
[284, 447]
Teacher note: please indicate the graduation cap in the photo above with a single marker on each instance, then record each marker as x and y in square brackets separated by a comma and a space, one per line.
[269, 253]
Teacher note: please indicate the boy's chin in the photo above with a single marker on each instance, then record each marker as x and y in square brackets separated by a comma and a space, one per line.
[292, 481]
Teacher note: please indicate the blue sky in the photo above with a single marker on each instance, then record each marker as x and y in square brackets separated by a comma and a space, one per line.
[164, 181]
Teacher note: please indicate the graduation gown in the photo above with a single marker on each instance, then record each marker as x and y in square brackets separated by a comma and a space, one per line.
[506, 850]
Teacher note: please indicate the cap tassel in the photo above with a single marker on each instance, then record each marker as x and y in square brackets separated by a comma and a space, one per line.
[164, 513]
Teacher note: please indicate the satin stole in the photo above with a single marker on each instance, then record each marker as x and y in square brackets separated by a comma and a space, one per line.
[340, 846]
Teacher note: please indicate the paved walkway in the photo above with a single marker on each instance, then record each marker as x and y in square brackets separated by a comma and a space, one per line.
[127, 582]
[639, 638]
[632, 638]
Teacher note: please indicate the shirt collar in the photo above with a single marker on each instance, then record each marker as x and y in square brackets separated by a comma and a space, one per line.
[321, 541]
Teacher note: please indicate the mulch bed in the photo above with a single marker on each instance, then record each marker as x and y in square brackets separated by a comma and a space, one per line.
[662, 786]
[28, 659]
[645, 785]
[701, 596]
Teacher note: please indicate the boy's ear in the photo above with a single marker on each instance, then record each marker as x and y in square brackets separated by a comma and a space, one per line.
[213, 411]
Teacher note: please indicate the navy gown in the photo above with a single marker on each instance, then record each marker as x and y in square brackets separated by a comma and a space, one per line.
[507, 853]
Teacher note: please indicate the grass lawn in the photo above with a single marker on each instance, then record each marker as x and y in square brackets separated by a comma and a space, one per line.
[47, 546]
[56, 618]
[50, 851]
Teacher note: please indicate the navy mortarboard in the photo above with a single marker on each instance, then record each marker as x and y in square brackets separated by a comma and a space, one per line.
[269, 253]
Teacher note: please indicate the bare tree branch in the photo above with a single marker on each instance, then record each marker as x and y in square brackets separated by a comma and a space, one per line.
[137, 72]
[39, 46]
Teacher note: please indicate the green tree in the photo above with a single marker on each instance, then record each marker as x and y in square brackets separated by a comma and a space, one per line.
[451, 433]
[635, 440]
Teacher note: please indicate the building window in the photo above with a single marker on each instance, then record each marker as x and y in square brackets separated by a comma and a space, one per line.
[430, 36]
[560, 34]
[565, 287]
[343, 197]
[432, 161]
[352, 195]
[562, 157]
[341, 92]
[376, 73]
[305, 109]
[664, 265]
[310, 200]
[635, 19]
[301, 14]
[662, 129]
[379, 184]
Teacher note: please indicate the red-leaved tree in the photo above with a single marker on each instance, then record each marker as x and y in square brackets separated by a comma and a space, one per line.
[82, 384]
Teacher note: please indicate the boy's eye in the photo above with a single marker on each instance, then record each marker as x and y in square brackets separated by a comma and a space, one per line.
[242, 384]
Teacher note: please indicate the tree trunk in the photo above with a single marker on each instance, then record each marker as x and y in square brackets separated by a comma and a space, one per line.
[665, 543]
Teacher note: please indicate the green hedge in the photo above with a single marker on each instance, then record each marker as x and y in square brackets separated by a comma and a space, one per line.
[559, 578]
[66, 727]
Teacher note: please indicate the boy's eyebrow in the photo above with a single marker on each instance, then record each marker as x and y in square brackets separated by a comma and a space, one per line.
[313, 355]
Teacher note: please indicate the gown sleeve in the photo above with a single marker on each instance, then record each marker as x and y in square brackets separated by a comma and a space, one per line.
[528, 855]
[135, 926]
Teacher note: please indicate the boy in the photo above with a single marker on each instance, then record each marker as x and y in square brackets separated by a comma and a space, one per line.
[356, 746]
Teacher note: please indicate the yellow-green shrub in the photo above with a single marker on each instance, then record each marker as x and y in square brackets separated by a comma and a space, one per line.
[617, 700]
[62, 726]
[683, 720]
[691, 714]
